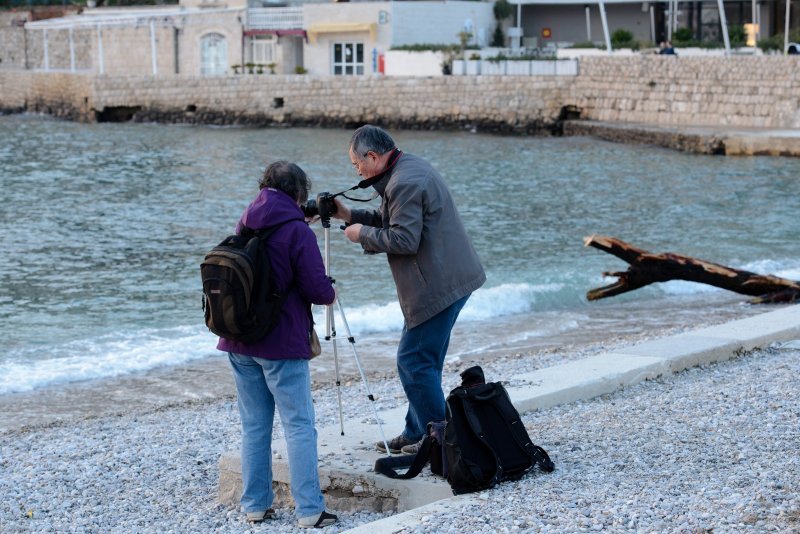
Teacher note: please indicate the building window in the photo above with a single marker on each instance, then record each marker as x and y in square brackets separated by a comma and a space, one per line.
[213, 55]
[348, 58]
[262, 50]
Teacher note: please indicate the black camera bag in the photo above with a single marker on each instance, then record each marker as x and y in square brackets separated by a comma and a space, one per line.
[484, 441]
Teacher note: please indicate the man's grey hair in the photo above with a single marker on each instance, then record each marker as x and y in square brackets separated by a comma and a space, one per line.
[371, 138]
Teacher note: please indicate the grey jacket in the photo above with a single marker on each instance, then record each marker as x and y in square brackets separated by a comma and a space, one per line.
[431, 257]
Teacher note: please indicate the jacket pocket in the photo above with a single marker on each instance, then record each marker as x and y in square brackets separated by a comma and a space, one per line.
[418, 272]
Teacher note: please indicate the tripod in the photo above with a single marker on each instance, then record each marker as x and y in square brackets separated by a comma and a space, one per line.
[330, 334]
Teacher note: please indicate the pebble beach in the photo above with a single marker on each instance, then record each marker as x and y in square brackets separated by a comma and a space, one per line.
[708, 449]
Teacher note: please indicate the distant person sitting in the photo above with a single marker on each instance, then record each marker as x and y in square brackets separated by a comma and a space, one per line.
[666, 49]
[793, 49]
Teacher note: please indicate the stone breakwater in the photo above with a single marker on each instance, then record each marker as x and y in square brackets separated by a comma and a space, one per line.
[741, 92]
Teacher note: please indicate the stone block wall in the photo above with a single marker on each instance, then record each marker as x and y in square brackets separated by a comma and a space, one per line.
[60, 94]
[12, 39]
[58, 49]
[508, 103]
[739, 91]
[697, 91]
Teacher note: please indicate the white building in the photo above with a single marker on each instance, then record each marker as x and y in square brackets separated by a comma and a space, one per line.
[202, 37]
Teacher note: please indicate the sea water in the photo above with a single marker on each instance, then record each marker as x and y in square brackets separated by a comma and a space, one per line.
[103, 228]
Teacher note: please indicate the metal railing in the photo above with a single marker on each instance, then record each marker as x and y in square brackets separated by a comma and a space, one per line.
[275, 18]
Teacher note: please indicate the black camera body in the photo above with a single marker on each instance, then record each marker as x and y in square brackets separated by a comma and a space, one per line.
[323, 205]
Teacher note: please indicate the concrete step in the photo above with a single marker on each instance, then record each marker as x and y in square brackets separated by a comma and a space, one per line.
[346, 462]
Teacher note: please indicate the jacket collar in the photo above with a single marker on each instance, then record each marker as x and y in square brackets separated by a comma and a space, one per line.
[379, 181]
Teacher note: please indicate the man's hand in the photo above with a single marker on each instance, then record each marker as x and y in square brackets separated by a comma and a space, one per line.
[352, 231]
[342, 212]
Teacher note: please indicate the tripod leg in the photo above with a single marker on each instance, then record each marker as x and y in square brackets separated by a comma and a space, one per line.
[330, 334]
[370, 396]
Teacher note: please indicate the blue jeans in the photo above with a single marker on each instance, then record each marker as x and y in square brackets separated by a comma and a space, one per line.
[261, 385]
[420, 359]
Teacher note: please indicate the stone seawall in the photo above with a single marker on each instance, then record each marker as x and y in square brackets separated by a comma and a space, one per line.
[754, 92]
[759, 92]
[508, 104]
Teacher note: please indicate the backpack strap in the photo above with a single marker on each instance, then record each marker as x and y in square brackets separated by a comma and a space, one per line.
[520, 435]
[467, 396]
[263, 233]
[388, 466]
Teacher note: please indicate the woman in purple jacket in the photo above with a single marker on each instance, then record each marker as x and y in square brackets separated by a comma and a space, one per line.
[274, 370]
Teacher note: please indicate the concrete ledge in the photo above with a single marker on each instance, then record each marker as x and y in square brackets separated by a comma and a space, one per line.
[731, 141]
[416, 517]
[346, 461]
[583, 379]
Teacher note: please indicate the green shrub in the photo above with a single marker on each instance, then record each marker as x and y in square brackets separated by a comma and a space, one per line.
[585, 44]
[498, 37]
[737, 36]
[681, 35]
[502, 10]
[622, 39]
[698, 44]
[771, 44]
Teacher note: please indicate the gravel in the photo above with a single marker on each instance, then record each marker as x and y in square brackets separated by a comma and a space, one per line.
[711, 448]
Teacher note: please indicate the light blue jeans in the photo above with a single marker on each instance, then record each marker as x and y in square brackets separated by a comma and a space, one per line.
[420, 360]
[262, 385]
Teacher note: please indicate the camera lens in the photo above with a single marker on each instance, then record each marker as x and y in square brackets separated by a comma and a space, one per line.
[310, 208]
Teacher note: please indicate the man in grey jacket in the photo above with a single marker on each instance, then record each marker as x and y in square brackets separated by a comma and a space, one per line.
[434, 265]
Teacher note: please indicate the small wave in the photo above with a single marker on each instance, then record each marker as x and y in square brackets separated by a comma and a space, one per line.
[485, 303]
[105, 357]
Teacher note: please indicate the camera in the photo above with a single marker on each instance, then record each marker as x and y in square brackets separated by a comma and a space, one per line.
[324, 206]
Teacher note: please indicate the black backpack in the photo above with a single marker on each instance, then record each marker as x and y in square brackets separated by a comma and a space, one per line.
[483, 441]
[240, 301]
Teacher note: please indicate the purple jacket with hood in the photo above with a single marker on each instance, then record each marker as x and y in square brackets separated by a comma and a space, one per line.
[298, 272]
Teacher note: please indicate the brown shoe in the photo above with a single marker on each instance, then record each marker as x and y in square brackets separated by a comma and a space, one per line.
[395, 444]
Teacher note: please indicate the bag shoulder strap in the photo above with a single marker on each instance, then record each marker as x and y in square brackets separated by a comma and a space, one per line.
[388, 466]
[263, 233]
[518, 432]
[467, 397]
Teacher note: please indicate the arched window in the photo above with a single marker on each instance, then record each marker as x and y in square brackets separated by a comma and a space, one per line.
[213, 55]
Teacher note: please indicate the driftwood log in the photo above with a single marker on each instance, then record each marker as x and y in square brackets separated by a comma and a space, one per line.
[647, 268]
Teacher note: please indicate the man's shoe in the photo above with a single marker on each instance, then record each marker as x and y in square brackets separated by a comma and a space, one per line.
[321, 520]
[412, 449]
[258, 517]
[395, 444]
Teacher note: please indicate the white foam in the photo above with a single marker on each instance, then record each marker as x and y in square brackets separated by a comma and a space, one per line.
[105, 357]
[485, 303]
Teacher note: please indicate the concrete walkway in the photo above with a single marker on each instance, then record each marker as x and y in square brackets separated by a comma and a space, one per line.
[351, 485]
[720, 140]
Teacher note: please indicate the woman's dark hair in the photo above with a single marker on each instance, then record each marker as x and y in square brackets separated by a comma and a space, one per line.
[287, 177]
[371, 138]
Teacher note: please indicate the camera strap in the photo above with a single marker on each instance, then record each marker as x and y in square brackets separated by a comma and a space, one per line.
[363, 184]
